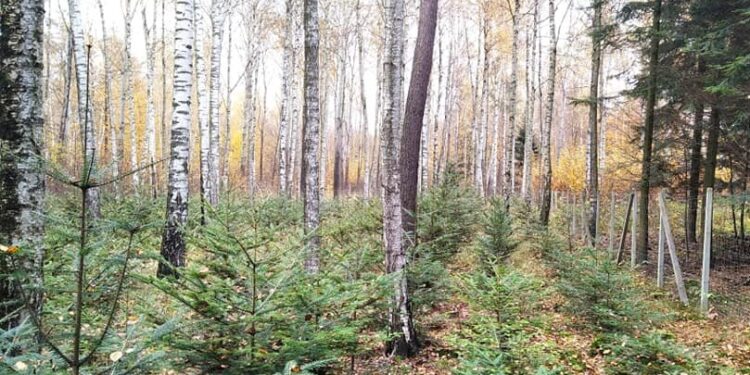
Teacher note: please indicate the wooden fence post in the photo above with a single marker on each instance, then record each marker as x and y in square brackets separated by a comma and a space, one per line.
[707, 233]
[672, 250]
[621, 248]
[634, 232]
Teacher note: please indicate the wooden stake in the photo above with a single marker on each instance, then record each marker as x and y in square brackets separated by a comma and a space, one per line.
[672, 250]
[660, 259]
[611, 223]
[634, 232]
[707, 233]
[621, 248]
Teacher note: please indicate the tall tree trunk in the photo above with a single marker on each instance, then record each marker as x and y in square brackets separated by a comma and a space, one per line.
[482, 122]
[415, 110]
[294, 115]
[592, 148]
[547, 130]
[509, 146]
[218, 17]
[228, 117]
[286, 92]
[251, 81]
[203, 111]
[404, 340]
[648, 137]
[309, 177]
[363, 102]
[338, 156]
[435, 122]
[712, 150]
[163, 116]
[150, 112]
[696, 159]
[173, 242]
[85, 113]
[21, 146]
[108, 114]
[528, 137]
[127, 102]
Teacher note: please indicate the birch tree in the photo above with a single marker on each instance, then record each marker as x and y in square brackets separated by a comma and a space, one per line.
[510, 139]
[22, 124]
[251, 80]
[108, 114]
[404, 341]
[309, 178]
[150, 111]
[219, 11]
[547, 129]
[203, 107]
[173, 242]
[286, 92]
[85, 114]
[127, 105]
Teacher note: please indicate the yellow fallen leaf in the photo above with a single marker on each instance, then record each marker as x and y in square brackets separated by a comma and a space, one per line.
[20, 366]
[115, 356]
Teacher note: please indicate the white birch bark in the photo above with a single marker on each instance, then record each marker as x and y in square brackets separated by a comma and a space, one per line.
[294, 116]
[173, 243]
[203, 104]
[251, 77]
[309, 178]
[21, 147]
[509, 147]
[228, 117]
[127, 103]
[286, 92]
[395, 257]
[85, 113]
[363, 102]
[108, 113]
[150, 111]
[219, 9]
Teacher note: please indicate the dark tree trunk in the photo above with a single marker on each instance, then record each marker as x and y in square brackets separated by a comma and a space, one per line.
[695, 172]
[415, 108]
[592, 180]
[648, 138]
[712, 148]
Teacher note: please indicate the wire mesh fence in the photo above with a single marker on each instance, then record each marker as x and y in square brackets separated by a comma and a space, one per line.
[729, 290]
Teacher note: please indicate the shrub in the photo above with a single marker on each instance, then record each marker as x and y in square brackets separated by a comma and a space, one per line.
[497, 243]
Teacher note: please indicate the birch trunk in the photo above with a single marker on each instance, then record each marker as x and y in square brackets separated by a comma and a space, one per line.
[126, 99]
[203, 107]
[150, 112]
[173, 243]
[509, 144]
[294, 116]
[286, 92]
[436, 123]
[85, 114]
[547, 130]
[251, 77]
[311, 138]
[218, 17]
[404, 341]
[363, 102]
[108, 115]
[481, 144]
[228, 118]
[21, 146]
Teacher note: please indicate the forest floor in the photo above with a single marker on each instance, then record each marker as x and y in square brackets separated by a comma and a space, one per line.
[720, 340]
